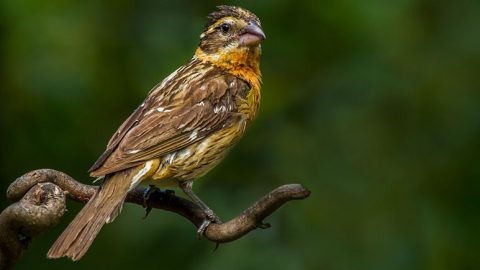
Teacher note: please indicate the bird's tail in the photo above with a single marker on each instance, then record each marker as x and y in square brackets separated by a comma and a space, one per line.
[103, 207]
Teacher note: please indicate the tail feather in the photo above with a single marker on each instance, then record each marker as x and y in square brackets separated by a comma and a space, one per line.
[102, 208]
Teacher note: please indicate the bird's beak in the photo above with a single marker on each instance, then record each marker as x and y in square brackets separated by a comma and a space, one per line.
[252, 35]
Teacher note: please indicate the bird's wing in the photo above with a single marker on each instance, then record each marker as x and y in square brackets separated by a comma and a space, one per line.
[172, 120]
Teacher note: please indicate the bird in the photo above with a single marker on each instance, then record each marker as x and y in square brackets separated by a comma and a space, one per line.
[185, 126]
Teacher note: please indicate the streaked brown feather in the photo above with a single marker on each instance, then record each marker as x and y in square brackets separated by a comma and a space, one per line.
[189, 102]
[102, 208]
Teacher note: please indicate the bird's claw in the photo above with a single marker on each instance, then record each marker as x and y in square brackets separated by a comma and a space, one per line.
[147, 211]
[212, 217]
[202, 228]
[146, 195]
[209, 218]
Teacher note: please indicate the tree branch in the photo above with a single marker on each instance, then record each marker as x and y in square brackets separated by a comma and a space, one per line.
[40, 209]
[41, 203]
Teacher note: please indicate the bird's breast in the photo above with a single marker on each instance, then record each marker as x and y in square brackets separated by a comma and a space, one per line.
[199, 158]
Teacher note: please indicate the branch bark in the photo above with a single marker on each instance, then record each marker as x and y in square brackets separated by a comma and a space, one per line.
[40, 209]
[40, 203]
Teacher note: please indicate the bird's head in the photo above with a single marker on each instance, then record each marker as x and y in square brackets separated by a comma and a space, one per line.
[232, 36]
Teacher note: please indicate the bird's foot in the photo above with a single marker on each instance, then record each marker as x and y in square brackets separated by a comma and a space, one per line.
[202, 228]
[146, 195]
[209, 218]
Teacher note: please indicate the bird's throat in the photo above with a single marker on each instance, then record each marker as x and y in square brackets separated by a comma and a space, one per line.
[242, 62]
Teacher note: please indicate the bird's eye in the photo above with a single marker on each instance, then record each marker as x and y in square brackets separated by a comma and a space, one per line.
[225, 27]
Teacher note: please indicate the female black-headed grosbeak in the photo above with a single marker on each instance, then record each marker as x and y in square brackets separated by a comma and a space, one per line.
[185, 126]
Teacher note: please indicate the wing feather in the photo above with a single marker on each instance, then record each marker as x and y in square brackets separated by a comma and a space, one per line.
[172, 119]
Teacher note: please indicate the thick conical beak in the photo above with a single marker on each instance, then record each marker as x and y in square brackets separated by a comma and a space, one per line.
[252, 35]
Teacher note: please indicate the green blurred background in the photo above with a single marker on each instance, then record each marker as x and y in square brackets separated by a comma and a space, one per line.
[373, 105]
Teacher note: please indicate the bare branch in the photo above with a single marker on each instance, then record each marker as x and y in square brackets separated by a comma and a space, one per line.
[40, 209]
[42, 203]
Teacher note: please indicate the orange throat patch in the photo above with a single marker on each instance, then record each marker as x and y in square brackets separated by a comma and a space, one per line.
[242, 62]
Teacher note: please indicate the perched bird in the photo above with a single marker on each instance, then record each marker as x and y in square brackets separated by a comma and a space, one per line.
[184, 127]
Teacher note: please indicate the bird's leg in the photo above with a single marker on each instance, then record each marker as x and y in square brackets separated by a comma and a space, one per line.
[186, 186]
[146, 195]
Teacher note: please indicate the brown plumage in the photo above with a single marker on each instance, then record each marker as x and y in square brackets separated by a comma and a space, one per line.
[102, 208]
[185, 126]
